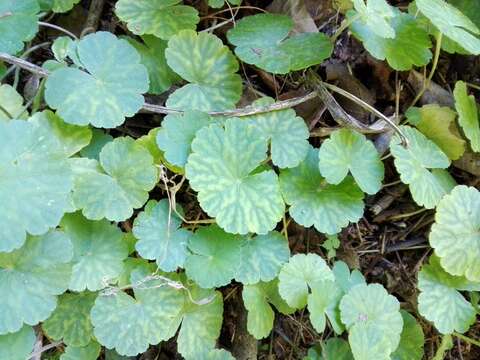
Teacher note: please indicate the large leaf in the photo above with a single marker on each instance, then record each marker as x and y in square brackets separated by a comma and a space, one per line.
[348, 151]
[214, 258]
[109, 90]
[11, 102]
[376, 16]
[71, 320]
[221, 168]
[315, 202]
[35, 182]
[98, 252]
[30, 279]
[129, 173]
[440, 301]
[287, 133]
[414, 162]
[18, 24]
[162, 18]
[452, 23]
[18, 345]
[89, 352]
[299, 275]
[160, 237]
[411, 340]
[209, 67]
[261, 40]
[467, 114]
[368, 342]
[455, 235]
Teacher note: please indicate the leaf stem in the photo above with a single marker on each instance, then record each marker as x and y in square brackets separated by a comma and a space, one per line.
[58, 28]
[6, 112]
[467, 339]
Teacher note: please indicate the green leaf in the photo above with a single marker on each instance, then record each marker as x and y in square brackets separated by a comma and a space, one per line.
[323, 302]
[414, 163]
[332, 349]
[455, 235]
[261, 257]
[98, 141]
[160, 237]
[71, 320]
[409, 47]
[215, 354]
[440, 301]
[371, 316]
[348, 151]
[177, 133]
[18, 345]
[220, 3]
[221, 168]
[12, 102]
[438, 124]
[287, 133]
[152, 53]
[214, 258]
[61, 47]
[109, 90]
[344, 278]
[35, 185]
[61, 6]
[299, 275]
[132, 264]
[331, 244]
[452, 23]
[162, 18]
[18, 24]
[467, 114]
[468, 8]
[411, 339]
[376, 16]
[129, 175]
[98, 252]
[315, 202]
[89, 352]
[261, 40]
[32, 276]
[209, 67]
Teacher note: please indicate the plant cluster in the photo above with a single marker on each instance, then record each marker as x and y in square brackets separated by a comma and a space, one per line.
[66, 185]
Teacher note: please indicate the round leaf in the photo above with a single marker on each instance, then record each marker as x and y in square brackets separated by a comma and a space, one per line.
[368, 342]
[89, 352]
[411, 339]
[323, 301]
[109, 90]
[376, 16]
[18, 24]
[61, 6]
[221, 168]
[467, 114]
[12, 102]
[18, 345]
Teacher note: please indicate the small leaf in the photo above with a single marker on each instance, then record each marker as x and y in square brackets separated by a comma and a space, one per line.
[98, 141]
[160, 237]
[12, 102]
[411, 339]
[61, 6]
[18, 24]
[413, 163]
[344, 278]
[209, 67]
[467, 114]
[162, 18]
[109, 90]
[322, 302]
[220, 3]
[177, 133]
[129, 175]
[261, 40]
[214, 258]
[71, 320]
[98, 252]
[221, 168]
[299, 275]
[18, 345]
[455, 235]
[376, 16]
[287, 133]
[315, 202]
[348, 151]
[89, 352]
[32, 276]
[331, 245]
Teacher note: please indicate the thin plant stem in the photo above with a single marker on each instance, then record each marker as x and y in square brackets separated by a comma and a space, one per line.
[6, 112]
[467, 339]
[58, 28]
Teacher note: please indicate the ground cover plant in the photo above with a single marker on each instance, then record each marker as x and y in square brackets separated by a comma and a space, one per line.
[237, 179]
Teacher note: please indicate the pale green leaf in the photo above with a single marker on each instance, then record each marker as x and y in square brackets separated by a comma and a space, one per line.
[98, 252]
[344, 278]
[376, 16]
[469, 8]
[61, 6]
[369, 342]
[35, 183]
[331, 244]
[315, 202]
[411, 339]
[414, 162]
[287, 133]
[98, 141]
[209, 67]
[455, 235]
[18, 24]
[71, 320]
[109, 89]
[131, 264]
[160, 237]
[299, 275]
[32, 276]
[221, 168]
[347, 151]
[89, 352]
[162, 18]
[18, 345]
[323, 302]
[467, 114]
[12, 102]
[61, 47]
[262, 40]
[215, 354]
